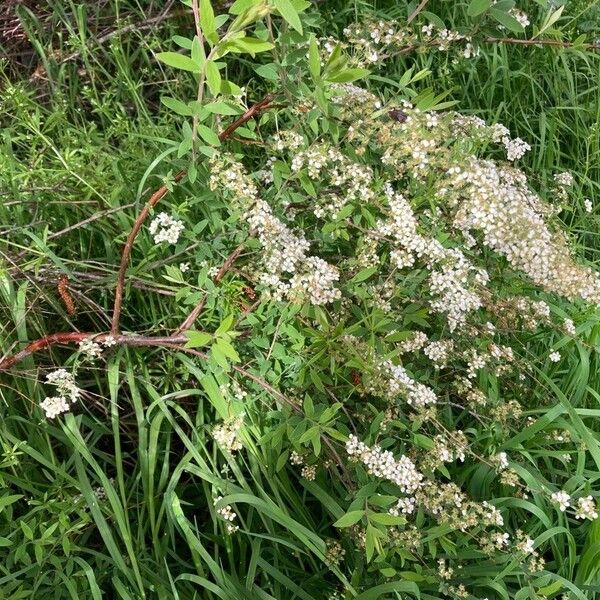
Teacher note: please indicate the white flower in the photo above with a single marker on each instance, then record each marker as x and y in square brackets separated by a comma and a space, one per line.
[184, 266]
[562, 499]
[165, 228]
[587, 204]
[228, 515]
[502, 460]
[564, 179]
[109, 341]
[90, 348]
[53, 407]
[382, 463]
[586, 508]
[525, 545]
[554, 357]
[226, 434]
[569, 326]
[516, 148]
[65, 384]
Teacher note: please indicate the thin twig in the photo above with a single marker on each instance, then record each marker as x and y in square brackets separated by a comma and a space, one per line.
[160, 193]
[191, 318]
[557, 43]
[415, 12]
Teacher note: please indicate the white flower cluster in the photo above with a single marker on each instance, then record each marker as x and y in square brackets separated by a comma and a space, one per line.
[347, 180]
[226, 434]
[404, 506]
[588, 206]
[562, 499]
[515, 148]
[496, 201]
[398, 382]
[67, 392]
[382, 463]
[439, 351]
[564, 179]
[452, 277]
[290, 272]
[501, 460]
[569, 327]
[91, 349]
[164, 228]
[586, 508]
[227, 514]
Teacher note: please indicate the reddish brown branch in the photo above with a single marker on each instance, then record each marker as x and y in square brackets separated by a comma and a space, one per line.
[191, 318]
[155, 198]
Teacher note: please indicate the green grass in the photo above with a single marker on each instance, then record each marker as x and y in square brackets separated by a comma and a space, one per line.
[91, 139]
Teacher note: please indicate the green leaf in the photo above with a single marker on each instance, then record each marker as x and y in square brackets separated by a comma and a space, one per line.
[268, 72]
[476, 7]
[364, 274]
[198, 55]
[347, 75]
[350, 518]
[250, 45]
[226, 324]
[177, 106]
[196, 339]
[507, 20]
[222, 108]
[386, 519]
[227, 349]
[314, 58]
[213, 77]
[309, 434]
[8, 500]
[26, 530]
[178, 61]
[208, 135]
[289, 13]
[207, 22]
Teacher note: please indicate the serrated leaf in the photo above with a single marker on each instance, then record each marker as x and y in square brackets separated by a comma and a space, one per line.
[196, 339]
[177, 106]
[289, 13]
[178, 61]
[350, 518]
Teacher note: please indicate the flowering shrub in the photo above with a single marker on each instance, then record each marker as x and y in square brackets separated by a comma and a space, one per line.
[367, 342]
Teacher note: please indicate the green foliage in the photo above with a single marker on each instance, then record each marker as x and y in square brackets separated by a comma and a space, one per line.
[127, 495]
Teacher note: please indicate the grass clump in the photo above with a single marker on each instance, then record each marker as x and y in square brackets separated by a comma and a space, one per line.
[299, 314]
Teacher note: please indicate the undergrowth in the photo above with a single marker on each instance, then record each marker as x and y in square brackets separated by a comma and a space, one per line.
[357, 350]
